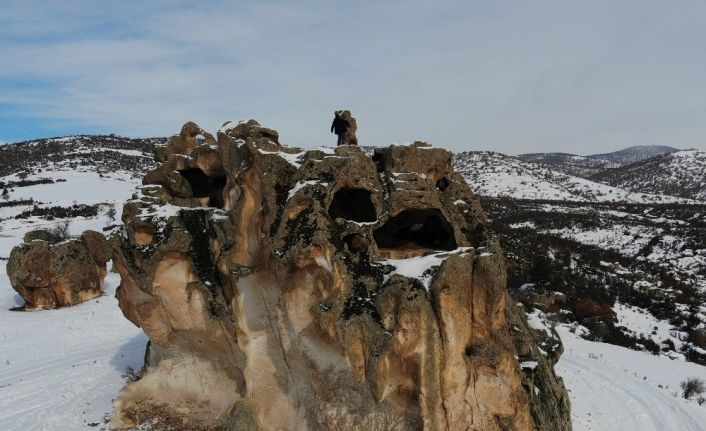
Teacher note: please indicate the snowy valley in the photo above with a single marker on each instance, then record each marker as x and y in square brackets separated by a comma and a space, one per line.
[614, 261]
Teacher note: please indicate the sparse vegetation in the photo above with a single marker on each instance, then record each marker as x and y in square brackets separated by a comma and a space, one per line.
[61, 229]
[692, 387]
[592, 278]
[111, 212]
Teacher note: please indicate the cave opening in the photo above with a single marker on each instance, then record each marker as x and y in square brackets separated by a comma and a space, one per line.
[206, 186]
[443, 183]
[352, 204]
[416, 229]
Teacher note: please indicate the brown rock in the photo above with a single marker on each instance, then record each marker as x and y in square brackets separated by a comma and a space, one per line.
[49, 275]
[281, 308]
[350, 138]
[185, 142]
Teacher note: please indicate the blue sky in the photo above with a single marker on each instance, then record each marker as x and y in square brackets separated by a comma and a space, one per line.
[510, 76]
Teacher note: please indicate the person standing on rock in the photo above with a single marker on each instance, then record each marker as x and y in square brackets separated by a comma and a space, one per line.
[339, 127]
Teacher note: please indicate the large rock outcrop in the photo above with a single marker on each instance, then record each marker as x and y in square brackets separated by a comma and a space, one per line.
[50, 273]
[284, 289]
[350, 138]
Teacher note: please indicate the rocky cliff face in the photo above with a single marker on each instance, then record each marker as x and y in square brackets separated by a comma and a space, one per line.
[50, 273]
[324, 290]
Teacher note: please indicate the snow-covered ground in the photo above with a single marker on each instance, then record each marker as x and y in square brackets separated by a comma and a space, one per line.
[61, 369]
[617, 389]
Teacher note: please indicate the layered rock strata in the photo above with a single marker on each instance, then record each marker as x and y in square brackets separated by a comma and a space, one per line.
[50, 273]
[328, 289]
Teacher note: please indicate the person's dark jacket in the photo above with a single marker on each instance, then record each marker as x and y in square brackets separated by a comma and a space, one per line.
[339, 125]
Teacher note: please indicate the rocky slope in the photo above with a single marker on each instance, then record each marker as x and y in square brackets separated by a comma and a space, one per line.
[681, 173]
[324, 289]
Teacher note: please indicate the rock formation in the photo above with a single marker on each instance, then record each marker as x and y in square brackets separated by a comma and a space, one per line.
[327, 289]
[350, 138]
[50, 273]
[189, 138]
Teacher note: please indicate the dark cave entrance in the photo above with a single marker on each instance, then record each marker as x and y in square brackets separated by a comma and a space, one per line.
[416, 229]
[379, 160]
[443, 183]
[352, 204]
[206, 186]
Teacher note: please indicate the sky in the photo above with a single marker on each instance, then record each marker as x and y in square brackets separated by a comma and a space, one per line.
[509, 76]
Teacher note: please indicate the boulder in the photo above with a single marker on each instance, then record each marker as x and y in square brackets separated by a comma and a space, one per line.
[43, 235]
[326, 290]
[50, 274]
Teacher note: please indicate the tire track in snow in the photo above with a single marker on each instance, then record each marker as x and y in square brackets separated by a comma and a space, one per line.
[616, 389]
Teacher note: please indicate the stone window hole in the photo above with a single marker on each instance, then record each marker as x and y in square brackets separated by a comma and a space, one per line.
[416, 229]
[352, 204]
[443, 183]
[206, 186]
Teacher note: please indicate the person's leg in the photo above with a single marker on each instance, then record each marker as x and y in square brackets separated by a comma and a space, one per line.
[340, 139]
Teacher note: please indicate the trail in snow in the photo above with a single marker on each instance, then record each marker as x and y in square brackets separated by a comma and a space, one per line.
[60, 369]
[617, 389]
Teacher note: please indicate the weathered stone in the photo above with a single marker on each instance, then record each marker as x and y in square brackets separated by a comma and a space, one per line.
[350, 138]
[49, 275]
[280, 307]
[190, 137]
[43, 235]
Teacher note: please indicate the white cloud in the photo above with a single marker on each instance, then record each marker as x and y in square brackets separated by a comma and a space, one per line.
[514, 78]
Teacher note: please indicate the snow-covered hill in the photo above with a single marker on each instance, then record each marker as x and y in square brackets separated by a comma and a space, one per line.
[586, 166]
[634, 154]
[498, 175]
[570, 164]
[61, 369]
[682, 173]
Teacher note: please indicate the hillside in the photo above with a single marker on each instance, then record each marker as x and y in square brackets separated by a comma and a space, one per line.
[586, 166]
[681, 173]
[570, 164]
[634, 154]
[65, 366]
[76, 178]
[498, 175]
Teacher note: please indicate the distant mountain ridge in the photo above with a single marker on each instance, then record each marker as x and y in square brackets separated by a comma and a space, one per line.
[590, 165]
[498, 175]
[634, 154]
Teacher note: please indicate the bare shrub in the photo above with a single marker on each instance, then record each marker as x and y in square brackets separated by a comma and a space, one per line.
[111, 212]
[692, 386]
[61, 229]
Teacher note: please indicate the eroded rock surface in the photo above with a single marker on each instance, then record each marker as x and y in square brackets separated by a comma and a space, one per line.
[327, 289]
[350, 138]
[50, 273]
